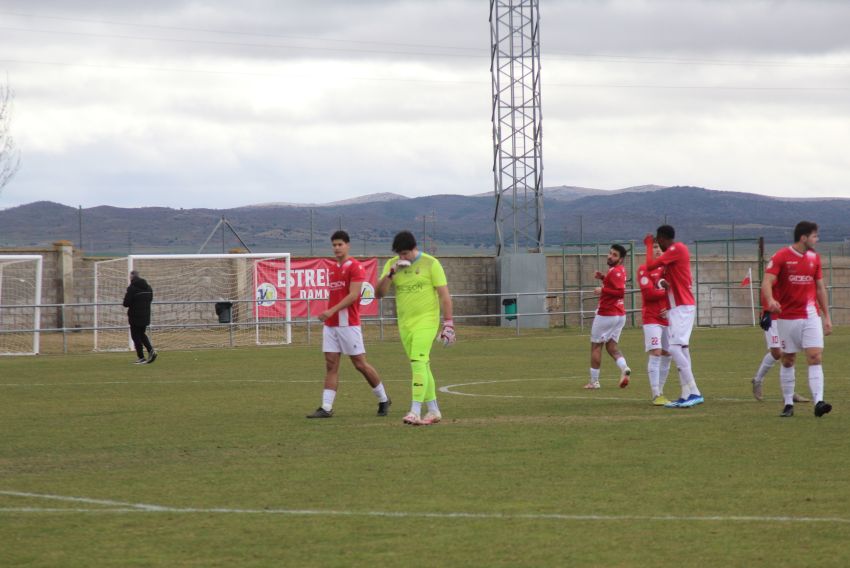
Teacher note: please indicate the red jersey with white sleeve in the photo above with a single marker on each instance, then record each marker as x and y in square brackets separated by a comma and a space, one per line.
[654, 298]
[613, 289]
[677, 263]
[796, 282]
[340, 278]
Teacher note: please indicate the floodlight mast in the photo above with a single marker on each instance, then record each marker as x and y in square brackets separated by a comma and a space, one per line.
[517, 125]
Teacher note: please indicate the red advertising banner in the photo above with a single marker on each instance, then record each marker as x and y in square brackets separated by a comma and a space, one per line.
[308, 281]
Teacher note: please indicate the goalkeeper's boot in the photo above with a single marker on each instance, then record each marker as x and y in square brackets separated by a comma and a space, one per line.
[593, 385]
[788, 411]
[321, 413]
[384, 407]
[675, 403]
[431, 418]
[140, 361]
[411, 419]
[822, 408]
[152, 357]
[692, 400]
[800, 398]
[624, 380]
[758, 391]
[660, 400]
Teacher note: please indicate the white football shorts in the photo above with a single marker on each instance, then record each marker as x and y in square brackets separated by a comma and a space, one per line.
[681, 323]
[606, 328]
[347, 340]
[799, 334]
[655, 336]
[771, 336]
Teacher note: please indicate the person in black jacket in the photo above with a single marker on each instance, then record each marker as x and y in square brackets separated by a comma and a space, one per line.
[138, 300]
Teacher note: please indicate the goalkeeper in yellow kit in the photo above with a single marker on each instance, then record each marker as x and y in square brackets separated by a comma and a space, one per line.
[421, 291]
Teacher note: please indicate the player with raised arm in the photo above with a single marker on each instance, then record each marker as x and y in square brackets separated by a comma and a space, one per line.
[654, 307]
[676, 260]
[610, 318]
[796, 273]
[341, 332]
[421, 292]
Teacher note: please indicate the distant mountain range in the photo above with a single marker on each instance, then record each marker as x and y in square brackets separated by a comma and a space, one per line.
[572, 214]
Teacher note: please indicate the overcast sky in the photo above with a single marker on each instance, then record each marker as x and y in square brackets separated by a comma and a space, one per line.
[221, 104]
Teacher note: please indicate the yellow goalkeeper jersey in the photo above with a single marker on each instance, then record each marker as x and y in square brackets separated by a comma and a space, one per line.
[417, 303]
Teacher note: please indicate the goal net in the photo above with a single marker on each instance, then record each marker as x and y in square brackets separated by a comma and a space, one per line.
[199, 301]
[20, 299]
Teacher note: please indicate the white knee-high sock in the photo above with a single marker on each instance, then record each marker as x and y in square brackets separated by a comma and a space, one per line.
[621, 362]
[594, 375]
[766, 364]
[686, 376]
[787, 380]
[328, 397]
[380, 392]
[663, 371]
[652, 369]
[816, 382]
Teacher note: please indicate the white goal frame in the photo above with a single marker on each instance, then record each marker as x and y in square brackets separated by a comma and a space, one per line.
[7, 259]
[256, 257]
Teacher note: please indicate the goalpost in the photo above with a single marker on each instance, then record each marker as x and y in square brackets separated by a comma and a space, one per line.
[20, 299]
[199, 300]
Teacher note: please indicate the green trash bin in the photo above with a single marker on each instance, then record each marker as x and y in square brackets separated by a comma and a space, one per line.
[510, 308]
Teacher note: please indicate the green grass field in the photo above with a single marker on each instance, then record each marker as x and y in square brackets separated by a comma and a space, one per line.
[205, 459]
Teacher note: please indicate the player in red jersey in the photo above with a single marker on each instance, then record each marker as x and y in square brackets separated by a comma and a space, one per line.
[341, 332]
[796, 273]
[654, 306]
[610, 318]
[676, 260]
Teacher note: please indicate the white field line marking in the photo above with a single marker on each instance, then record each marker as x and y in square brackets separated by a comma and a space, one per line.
[119, 507]
[450, 389]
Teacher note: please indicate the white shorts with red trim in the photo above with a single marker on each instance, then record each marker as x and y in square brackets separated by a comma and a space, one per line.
[655, 336]
[799, 334]
[606, 328]
[681, 323]
[347, 340]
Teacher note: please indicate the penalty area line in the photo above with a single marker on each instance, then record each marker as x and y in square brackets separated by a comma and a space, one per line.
[118, 507]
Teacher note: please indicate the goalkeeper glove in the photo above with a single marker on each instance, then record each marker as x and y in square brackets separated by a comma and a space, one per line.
[447, 335]
[766, 321]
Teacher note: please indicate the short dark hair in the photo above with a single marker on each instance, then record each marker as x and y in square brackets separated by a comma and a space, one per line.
[620, 249]
[404, 241]
[134, 274]
[804, 229]
[666, 231]
[340, 236]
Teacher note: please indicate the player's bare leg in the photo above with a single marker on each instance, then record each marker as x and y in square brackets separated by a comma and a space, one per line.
[613, 349]
[595, 364]
[371, 375]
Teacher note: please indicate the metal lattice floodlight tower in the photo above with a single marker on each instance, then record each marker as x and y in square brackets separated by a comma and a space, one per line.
[517, 125]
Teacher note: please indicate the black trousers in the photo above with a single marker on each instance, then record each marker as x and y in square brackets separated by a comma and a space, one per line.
[137, 332]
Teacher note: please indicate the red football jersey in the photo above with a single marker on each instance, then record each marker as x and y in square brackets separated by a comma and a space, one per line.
[613, 289]
[796, 282]
[654, 299]
[340, 278]
[677, 262]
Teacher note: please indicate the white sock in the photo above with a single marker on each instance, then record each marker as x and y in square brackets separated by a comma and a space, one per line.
[766, 364]
[786, 381]
[816, 382]
[380, 392]
[594, 375]
[686, 377]
[663, 372]
[432, 406]
[416, 407]
[328, 397]
[621, 362]
[652, 369]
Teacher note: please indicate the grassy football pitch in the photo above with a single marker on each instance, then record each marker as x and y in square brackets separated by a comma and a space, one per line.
[205, 459]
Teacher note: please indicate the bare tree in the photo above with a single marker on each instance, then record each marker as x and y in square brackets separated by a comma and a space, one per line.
[10, 155]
